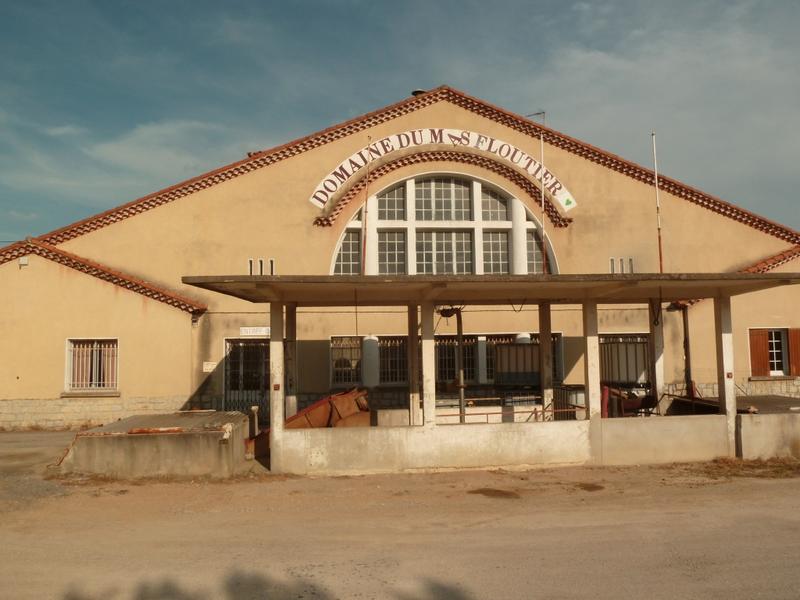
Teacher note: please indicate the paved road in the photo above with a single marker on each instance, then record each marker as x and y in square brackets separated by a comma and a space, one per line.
[667, 532]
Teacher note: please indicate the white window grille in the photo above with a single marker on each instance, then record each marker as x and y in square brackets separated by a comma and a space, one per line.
[391, 252]
[392, 359]
[495, 252]
[92, 365]
[345, 360]
[443, 252]
[612, 268]
[443, 199]
[348, 261]
[430, 225]
[392, 204]
[777, 351]
[534, 246]
[494, 206]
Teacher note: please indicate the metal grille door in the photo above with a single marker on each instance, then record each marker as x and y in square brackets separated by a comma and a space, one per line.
[247, 375]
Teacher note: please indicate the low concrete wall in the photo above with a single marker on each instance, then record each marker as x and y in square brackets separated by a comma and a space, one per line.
[655, 440]
[191, 454]
[386, 449]
[74, 412]
[768, 436]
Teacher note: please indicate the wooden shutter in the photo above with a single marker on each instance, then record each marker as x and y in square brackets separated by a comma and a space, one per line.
[759, 352]
[794, 352]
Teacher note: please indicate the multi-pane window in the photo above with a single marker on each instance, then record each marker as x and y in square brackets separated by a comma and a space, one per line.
[443, 199]
[776, 349]
[92, 365]
[348, 261]
[444, 252]
[391, 252]
[495, 252]
[345, 360]
[494, 206]
[392, 359]
[534, 244]
[392, 204]
[425, 226]
[446, 349]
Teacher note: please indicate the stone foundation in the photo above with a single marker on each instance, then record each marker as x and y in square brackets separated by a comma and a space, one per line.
[73, 413]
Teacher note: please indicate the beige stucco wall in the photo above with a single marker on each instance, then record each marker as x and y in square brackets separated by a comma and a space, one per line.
[44, 305]
[266, 214]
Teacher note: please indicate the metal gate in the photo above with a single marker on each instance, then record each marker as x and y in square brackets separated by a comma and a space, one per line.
[247, 375]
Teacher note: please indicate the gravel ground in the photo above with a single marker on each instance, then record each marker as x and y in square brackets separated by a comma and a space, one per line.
[716, 530]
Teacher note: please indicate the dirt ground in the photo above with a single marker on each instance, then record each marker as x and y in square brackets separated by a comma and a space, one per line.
[719, 530]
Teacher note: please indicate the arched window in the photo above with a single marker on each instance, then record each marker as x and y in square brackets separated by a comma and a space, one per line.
[433, 225]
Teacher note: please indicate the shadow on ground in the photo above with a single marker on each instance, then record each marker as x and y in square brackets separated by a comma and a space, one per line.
[253, 586]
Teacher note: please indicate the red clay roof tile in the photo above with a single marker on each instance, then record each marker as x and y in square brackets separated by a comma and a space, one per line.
[89, 267]
[257, 160]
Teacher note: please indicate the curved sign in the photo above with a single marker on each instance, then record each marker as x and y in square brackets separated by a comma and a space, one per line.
[458, 138]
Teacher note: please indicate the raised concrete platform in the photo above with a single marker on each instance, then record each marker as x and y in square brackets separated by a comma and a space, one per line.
[182, 444]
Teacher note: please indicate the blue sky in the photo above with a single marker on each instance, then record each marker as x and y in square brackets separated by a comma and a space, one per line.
[103, 102]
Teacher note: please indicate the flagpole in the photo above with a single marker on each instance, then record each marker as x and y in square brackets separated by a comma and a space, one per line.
[658, 205]
[541, 193]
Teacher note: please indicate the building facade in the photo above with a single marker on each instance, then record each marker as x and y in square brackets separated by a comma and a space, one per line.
[98, 325]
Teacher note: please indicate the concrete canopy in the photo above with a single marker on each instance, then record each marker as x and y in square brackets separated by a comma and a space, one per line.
[372, 290]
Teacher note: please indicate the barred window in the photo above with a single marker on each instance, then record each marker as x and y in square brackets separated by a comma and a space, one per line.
[446, 347]
[346, 360]
[92, 365]
[443, 252]
[393, 360]
[443, 199]
[495, 252]
[392, 204]
[534, 243]
[494, 206]
[391, 252]
[492, 341]
[348, 261]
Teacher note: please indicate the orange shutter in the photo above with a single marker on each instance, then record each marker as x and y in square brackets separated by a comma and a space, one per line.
[794, 352]
[759, 352]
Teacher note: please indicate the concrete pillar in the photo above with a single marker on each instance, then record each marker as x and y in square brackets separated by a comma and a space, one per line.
[428, 366]
[276, 377]
[370, 362]
[519, 243]
[412, 346]
[591, 359]
[546, 359]
[291, 359]
[725, 383]
[656, 346]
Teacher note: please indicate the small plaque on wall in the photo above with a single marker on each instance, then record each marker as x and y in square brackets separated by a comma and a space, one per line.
[208, 367]
[253, 331]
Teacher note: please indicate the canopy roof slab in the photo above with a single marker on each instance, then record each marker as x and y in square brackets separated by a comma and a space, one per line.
[378, 290]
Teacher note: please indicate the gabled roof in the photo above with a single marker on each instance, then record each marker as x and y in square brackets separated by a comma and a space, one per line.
[258, 160]
[775, 261]
[763, 266]
[73, 261]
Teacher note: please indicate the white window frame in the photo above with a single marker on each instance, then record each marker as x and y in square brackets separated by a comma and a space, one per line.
[68, 383]
[784, 354]
[521, 220]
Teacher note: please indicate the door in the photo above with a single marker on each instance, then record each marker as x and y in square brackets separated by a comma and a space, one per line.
[247, 375]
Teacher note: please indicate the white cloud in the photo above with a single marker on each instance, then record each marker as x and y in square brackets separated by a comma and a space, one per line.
[64, 130]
